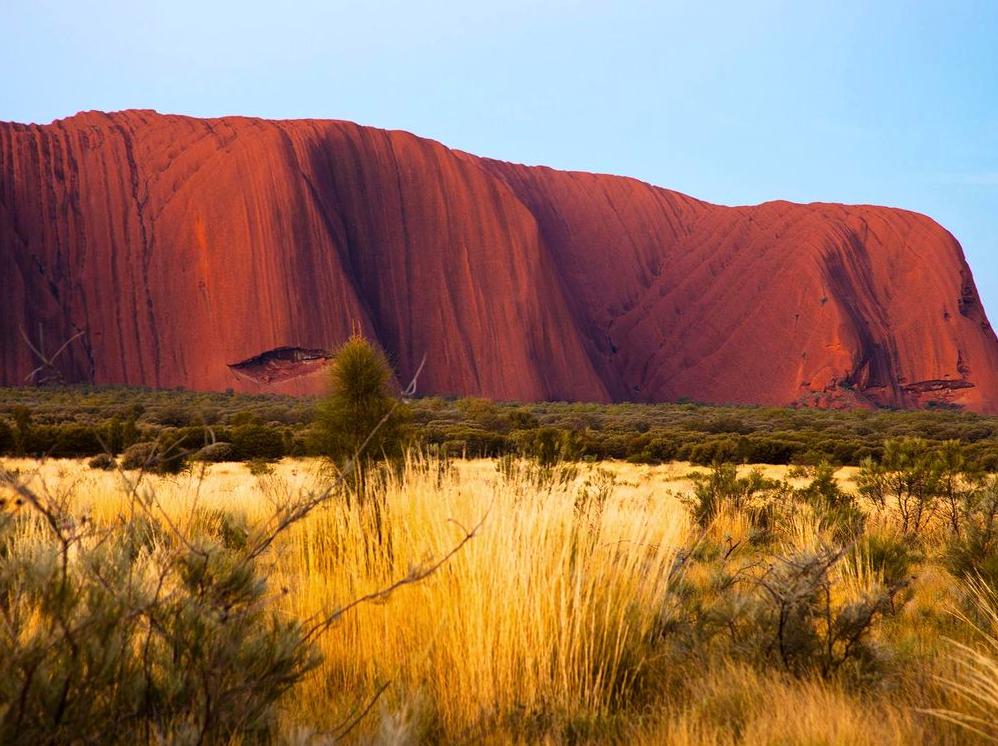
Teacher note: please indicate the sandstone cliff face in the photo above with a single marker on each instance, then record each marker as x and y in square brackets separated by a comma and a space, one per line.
[237, 252]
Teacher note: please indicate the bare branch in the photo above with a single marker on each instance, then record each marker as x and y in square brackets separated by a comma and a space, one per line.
[415, 575]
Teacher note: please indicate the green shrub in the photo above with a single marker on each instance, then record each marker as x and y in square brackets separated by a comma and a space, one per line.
[758, 449]
[102, 462]
[22, 428]
[96, 650]
[112, 435]
[906, 481]
[7, 441]
[638, 432]
[257, 442]
[154, 457]
[891, 556]
[803, 629]
[722, 486]
[475, 441]
[662, 448]
[972, 551]
[546, 445]
[73, 440]
[259, 467]
[716, 450]
[173, 414]
[786, 617]
[836, 508]
[214, 453]
[138, 456]
[454, 448]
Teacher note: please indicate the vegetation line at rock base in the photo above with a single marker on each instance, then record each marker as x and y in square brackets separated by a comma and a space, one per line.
[81, 421]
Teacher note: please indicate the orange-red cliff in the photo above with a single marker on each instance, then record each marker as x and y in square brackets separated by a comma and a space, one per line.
[236, 252]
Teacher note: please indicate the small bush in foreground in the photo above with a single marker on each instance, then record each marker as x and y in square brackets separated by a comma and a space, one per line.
[836, 508]
[136, 634]
[723, 487]
[810, 631]
[971, 551]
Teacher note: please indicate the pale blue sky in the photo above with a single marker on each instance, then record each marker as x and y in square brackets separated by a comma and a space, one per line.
[878, 101]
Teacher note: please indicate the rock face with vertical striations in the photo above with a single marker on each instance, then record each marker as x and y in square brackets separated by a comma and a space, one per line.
[239, 252]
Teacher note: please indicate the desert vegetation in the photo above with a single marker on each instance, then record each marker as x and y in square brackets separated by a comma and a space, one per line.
[500, 599]
[85, 421]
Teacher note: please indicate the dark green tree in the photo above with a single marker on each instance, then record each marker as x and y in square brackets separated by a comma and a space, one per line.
[6, 438]
[361, 418]
[22, 431]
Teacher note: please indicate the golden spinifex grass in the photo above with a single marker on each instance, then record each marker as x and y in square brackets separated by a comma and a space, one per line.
[734, 705]
[548, 609]
[974, 682]
[587, 604]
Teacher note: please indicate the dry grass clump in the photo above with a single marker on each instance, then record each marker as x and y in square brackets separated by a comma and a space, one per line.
[546, 614]
[737, 704]
[972, 681]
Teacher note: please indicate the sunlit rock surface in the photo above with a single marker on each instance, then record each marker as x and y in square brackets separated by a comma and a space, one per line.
[238, 252]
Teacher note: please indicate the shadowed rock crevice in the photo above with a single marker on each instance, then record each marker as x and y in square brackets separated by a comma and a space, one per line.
[281, 364]
[921, 387]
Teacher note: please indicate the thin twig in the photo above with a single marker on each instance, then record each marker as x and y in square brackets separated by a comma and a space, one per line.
[414, 576]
